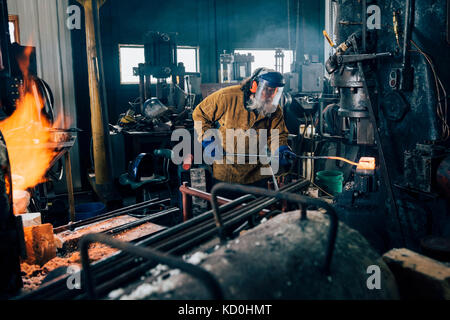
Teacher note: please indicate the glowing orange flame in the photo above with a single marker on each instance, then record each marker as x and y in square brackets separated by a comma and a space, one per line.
[27, 134]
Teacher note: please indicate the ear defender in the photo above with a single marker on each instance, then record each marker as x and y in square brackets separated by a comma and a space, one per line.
[254, 87]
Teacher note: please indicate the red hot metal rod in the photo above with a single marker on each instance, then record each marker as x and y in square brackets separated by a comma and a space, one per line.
[297, 156]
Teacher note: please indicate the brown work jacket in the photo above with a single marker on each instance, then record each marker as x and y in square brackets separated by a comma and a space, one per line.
[226, 106]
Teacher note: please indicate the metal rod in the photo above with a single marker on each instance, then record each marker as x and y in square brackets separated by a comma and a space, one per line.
[139, 222]
[281, 196]
[204, 276]
[187, 202]
[70, 186]
[406, 34]
[364, 24]
[321, 108]
[112, 214]
[141, 88]
[301, 157]
[275, 182]
[185, 189]
[362, 57]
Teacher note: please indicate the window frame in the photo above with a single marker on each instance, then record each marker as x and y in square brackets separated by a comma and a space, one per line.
[14, 19]
[138, 46]
[197, 57]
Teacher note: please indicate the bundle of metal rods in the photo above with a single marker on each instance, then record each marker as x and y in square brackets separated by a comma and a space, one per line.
[112, 214]
[122, 268]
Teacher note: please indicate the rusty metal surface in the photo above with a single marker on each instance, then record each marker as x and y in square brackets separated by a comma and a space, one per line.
[279, 259]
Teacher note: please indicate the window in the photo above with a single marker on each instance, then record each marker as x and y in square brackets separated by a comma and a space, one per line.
[330, 23]
[13, 24]
[131, 55]
[266, 58]
[189, 56]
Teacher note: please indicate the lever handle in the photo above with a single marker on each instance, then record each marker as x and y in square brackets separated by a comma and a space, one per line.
[325, 34]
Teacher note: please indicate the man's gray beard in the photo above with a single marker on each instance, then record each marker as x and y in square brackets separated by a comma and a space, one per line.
[265, 109]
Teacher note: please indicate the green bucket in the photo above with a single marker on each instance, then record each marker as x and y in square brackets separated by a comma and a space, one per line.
[330, 180]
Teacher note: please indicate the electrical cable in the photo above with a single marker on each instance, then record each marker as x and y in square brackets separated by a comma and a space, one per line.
[442, 113]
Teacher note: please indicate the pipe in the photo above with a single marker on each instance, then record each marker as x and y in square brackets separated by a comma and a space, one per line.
[187, 202]
[201, 194]
[141, 88]
[188, 193]
[298, 57]
[364, 24]
[281, 196]
[204, 276]
[407, 34]
[239, 214]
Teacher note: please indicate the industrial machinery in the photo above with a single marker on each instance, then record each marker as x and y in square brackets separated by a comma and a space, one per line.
[387, 101]
[235, 67]
[160, 52]
[304, 94]
[161, 106]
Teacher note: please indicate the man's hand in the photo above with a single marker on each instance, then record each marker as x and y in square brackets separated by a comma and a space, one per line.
[286, 156]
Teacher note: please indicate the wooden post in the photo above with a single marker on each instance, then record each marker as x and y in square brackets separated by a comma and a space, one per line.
[99, 134]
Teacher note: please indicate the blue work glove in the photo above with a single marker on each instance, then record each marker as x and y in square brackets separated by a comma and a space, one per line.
[209, 141]
[286, 156]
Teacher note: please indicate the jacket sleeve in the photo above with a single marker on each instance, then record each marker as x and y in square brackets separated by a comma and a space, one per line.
[277, 122]
[207, 112]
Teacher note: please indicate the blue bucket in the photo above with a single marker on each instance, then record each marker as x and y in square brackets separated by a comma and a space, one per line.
[89, 210]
